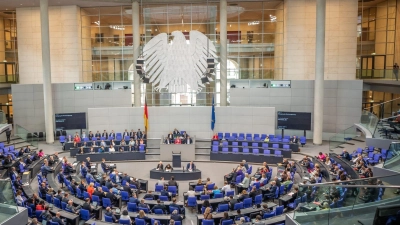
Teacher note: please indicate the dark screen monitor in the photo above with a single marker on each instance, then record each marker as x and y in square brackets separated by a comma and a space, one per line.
[70, 121]
[294, 120]
[387, 215]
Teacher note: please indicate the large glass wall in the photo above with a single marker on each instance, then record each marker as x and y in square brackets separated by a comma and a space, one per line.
[8, 47]
[376, 39]
[255, 42]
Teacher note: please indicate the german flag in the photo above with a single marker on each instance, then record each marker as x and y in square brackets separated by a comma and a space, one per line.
[146, 116]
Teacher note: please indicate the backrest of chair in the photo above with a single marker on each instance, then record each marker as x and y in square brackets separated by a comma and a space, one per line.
[229, 193]
[210, 186]
[277, 152]
[267, 152]
[85, 215]
[227, 222]
[63, 205]
[158, 211]
[245, 150]
[132, 207]
[238, 205]
[108, 218]
[204, 197]
[225, 149]
[236, 150]
[275, 145]
[245, 144]
[163, 198]
[106, 202]
[192, 200]
[223, 207]
[279, 210]
[214, 148]
[172, 189]
[286, 146]
[256, 151]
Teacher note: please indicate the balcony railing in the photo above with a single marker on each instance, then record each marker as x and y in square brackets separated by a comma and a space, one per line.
[382, 74]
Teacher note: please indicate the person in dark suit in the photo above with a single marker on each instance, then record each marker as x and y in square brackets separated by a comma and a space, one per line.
[253, 193]
[43, 189]
[294, 140]
[111, 214]
[59, 195]
[87, 205]
[175, 216]
[270, 191]
[8, 135]
[18, 183]
[160, 166]
[66, 198]
[104, 166]
[127, 188]
[139, 134]
[345, 155]
[164, 191]
[190, 166]
[125, 134]
[126, 177]
[144, 136]
[148, 195]
[98, 192]
[134, 199]
[90, 135]
[170, 137]
[8, 160]
[187, 140]
[143, 205]
[98, 135]
[172, 182]
[112, 134]
[173, 204]
[57, 219]
[132, 134]
[232, 202]
[88, 163]
[176, 133]
[111, 196]
[159, 205]
[108, 183]
[104, 134]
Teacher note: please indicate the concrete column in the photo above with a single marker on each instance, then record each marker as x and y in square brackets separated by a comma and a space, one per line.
[136, 50]
[2, 49]
[223, 51]
[319, 72]
[47, 92]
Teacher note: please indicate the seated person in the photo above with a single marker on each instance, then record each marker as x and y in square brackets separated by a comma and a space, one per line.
[111, 148]
[148, 195]
[345, 155]
[168, 168]
[266, 140]
[111, 214]
[187, 140]
[176, 133]
[284, 163]
[215, 137]
[321, 156]
[178, 141]
[190, 166]
[294, 139]
[123, 143]
[160, 166]
[159, 205]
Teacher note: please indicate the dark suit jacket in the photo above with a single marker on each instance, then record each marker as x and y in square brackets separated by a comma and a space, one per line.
[90, 136]
[58, 220]
[232, 203]
[294, 140]
[128, 189]
[172, 183]
[294, 196]
[110, 214]
[193, 166]
[97, 135]
[87, 207]
[104, 135]
[272, 189]
[160, 166]
[159, 206]
[111, 196]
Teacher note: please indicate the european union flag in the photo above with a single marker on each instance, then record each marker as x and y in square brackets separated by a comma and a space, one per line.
[213, 114]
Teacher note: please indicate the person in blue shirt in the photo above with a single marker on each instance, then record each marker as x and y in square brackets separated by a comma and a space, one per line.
[345, 155]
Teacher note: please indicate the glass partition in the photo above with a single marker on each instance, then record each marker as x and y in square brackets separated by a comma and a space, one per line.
[26, 135]
[342, 137]
[347, 201]
[369, 121]
[392, 161]
[8, 206]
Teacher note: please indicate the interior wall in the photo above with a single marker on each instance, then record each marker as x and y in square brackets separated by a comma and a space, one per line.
[194, 120]
[28, 102]
[65, 44]
[340, 39]
[342, 102]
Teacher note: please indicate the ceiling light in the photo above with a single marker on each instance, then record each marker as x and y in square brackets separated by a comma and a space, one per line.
[97, 23]
[272, 18]
[117, 27]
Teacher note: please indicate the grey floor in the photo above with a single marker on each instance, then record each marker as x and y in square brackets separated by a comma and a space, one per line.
[213, 170]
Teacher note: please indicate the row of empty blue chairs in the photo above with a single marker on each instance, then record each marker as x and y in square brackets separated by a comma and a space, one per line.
[257, 137]
[277, 153]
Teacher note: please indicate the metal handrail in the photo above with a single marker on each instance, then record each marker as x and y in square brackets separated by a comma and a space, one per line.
[338, 184]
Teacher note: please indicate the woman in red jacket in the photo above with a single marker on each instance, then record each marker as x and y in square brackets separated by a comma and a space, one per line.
[215, 137]
[77, 140]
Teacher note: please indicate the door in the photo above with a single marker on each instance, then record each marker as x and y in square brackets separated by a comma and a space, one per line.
[373, 66]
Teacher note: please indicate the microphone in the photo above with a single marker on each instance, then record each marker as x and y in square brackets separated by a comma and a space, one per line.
[183, 168]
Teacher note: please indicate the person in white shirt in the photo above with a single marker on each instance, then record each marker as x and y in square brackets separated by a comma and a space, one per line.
[83, 134]
[123, 143]
[93, 143]
[20, 200]
[103, 143]
[226, 187]
[111, 148]
[161, 181]
[131, 142]
[126, 133]
[191, 192]
[263, 177]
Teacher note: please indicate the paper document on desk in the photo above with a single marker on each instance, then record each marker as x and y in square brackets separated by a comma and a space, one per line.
[291, 193]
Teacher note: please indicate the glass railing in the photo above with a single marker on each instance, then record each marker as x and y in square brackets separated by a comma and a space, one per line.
[342, 137]
[26, 135]
[344, 202]
[382, 74]
[392, 161]
[8, 206]
[369, 121]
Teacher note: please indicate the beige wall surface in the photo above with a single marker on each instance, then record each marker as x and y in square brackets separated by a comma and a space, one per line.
[340, 39]
[65, 44]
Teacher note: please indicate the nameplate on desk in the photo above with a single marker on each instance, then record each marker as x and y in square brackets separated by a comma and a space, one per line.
[26, 173]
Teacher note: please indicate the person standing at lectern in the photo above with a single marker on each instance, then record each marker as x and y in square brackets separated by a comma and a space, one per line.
[160, 166]
[190, 166]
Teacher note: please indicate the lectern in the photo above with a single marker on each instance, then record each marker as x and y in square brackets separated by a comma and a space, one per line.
[176, 160]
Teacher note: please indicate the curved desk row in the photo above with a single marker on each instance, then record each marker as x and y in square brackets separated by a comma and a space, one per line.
[178, 174]
[74, 151]
[14, 163]
[287, 153]
[238, 157]
[69, 145]
[293, 146]
[346, 166]
[116, 156]
[246, 212]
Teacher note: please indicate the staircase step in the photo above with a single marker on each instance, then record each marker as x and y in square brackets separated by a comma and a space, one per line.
[201, 150]
[152, 157]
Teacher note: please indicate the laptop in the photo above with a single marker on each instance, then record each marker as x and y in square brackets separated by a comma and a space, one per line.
[117, 210]
[94, 204]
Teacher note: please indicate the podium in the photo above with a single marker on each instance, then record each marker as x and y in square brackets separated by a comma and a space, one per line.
[176, 160]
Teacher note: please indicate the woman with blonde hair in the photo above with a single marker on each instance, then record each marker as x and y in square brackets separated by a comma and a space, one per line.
[207, 214]
[142, 215]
